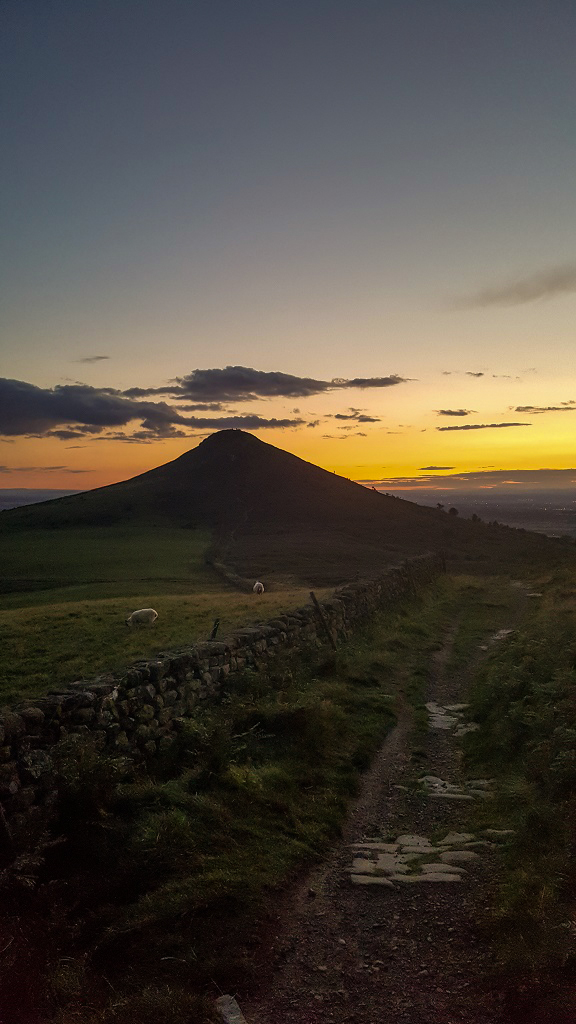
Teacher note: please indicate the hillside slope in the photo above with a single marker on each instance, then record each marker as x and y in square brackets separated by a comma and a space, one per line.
[271, 513]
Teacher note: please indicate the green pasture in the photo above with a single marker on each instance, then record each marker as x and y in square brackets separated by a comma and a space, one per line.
[46, 566]
[65, 595]
[46, 647]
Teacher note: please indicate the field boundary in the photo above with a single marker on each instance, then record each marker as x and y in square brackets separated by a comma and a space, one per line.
[138, 714]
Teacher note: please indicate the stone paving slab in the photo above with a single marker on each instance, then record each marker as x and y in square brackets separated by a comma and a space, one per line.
[437, 868]
[457, 837]
[459, 857]
[437, 788]
[228, 1011]
[412, 858]
[463, 730]
[440, 718]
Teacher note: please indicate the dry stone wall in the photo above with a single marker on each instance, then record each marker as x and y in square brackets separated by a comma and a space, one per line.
[138, 713]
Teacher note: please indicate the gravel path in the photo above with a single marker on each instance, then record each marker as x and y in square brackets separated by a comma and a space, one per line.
[367, 938]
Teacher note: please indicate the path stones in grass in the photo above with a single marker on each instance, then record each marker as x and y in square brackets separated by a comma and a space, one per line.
[228, 1011]
[454, 857]
[413, 859]
[440, 789]
[440, 718]
[413, 840]
[457, 838]
[463, 730]
[363, 866]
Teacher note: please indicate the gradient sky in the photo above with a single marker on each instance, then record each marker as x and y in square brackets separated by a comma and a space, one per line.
[377, 194]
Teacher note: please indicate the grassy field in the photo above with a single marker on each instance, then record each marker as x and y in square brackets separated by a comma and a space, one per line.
[46, 647]
[66, 595]
[44, 566]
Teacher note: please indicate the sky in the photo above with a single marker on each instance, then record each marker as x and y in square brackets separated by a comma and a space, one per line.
[347, 226]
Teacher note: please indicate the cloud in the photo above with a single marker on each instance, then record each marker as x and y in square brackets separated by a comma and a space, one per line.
[244, 384]
[484, 426]
[204, 406]
[564, 407]
[542, 285]
[527, 480]
[454, 412]
[470, 373]
[78, 410]
[357, 415]
[68, 435]
[91, 359]
[313, 423]
[41, 469]
[423, 469]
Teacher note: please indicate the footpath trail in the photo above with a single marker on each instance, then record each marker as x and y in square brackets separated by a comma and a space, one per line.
[384, 931]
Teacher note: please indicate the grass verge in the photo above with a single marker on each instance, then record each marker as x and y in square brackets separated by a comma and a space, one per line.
[525, 702]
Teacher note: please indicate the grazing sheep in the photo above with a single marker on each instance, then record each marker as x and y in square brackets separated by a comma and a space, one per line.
[258, 588]
[145, 615]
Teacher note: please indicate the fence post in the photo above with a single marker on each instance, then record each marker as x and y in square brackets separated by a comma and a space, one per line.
[323, 620]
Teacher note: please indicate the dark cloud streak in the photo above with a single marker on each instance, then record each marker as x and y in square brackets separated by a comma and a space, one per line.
[454, 412]
[245, 384]
[543, 285]
[91, 359]
[484, 426]
[533, 409]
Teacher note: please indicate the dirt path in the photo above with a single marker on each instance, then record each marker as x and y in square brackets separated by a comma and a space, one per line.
[357, 943]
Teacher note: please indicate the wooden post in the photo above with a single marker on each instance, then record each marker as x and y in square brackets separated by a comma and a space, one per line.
[323, 620]
[214, 629]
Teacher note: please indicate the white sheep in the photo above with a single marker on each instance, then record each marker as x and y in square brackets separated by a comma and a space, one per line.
[144, 615]
[258, 588]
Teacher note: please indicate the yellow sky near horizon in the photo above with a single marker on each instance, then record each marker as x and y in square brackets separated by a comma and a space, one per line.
[179, 202]
[403, 444]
